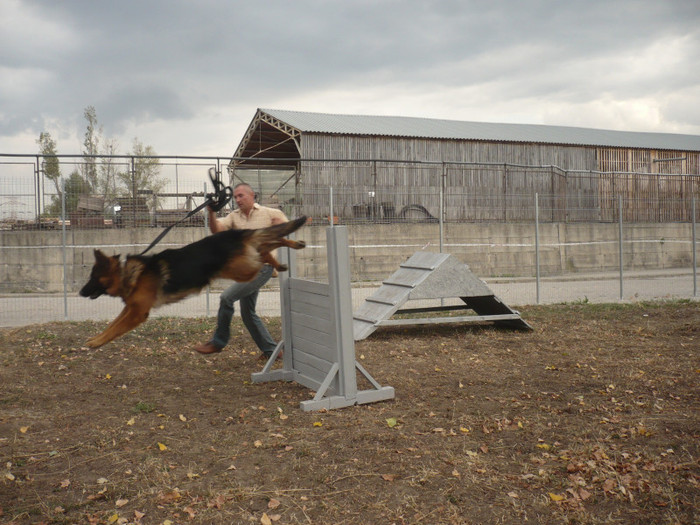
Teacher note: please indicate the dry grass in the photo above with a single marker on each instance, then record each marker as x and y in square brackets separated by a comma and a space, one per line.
[593, 418]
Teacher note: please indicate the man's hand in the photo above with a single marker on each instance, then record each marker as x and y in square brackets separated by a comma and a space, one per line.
[213, 222]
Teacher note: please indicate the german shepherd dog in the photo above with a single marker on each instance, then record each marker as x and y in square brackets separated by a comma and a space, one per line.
[149, 281]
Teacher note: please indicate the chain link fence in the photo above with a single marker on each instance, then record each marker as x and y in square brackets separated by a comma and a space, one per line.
[535, 234]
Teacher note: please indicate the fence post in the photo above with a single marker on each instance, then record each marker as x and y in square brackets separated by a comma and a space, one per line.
[620, 245]
[63, 237]
[537, 246]
[206, 229]
[695, 256]
[443, 183]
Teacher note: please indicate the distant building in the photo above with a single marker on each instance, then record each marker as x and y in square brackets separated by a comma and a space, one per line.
[376, 152]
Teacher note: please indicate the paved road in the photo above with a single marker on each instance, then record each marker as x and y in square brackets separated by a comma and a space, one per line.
[24, 309]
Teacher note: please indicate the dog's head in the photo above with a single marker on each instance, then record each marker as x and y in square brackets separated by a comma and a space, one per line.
[104, 277]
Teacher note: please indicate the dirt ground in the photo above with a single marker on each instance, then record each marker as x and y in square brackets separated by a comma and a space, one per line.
[592, 418]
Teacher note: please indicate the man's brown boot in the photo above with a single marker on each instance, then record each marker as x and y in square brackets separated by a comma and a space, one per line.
[208, 348]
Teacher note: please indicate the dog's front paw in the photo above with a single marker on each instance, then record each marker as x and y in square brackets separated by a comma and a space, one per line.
[282, 268]
[300, 244]
[94, 342]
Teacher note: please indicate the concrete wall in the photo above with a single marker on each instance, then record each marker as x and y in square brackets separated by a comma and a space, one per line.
[32, 261]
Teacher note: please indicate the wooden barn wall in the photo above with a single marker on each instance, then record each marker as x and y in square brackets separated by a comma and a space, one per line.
[500, 187]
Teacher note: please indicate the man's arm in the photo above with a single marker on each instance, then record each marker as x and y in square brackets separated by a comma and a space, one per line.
[278, 217]
[214, 225]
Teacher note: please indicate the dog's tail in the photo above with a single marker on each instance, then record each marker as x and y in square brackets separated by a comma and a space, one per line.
[280, 230]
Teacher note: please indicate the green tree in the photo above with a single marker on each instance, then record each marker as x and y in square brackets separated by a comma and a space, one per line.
[108, 168]
[50, 164]
[143, 179]
[93, 135]
[75, 187]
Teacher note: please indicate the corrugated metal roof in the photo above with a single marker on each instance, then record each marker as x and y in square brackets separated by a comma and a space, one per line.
[462, 130]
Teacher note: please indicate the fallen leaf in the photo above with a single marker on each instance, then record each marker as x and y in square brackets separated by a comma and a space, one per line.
[388, 477]
[23, 430]
[513, 495]
[391, 422]
[113, 518]
[121, 502]
[102, 481]
[273, 503]
[183, 418]
[65, 483]
[169, 497]
[131, 422]
[583, 494]
[543, 446]
[162, 447]
[265, 519]
[556, 497]
[217, 502]
[257, 443]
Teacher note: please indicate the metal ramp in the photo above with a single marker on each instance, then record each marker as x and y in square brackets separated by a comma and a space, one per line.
[428, 275]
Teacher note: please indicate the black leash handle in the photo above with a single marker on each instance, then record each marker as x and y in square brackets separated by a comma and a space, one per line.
[222, 194]
[216, 200]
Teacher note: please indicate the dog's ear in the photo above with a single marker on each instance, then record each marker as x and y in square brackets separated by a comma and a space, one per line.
[99, 256]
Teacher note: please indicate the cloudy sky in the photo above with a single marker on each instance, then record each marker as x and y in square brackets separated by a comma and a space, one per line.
[186, 77]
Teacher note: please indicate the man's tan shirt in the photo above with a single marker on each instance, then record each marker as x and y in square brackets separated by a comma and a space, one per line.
[259, 217]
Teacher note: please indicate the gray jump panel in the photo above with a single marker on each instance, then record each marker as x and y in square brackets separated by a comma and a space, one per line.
[317, 339]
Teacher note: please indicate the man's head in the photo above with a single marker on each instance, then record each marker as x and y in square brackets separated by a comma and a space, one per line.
[244, 196]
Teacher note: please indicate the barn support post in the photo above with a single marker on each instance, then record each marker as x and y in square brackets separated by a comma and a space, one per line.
[505, 193]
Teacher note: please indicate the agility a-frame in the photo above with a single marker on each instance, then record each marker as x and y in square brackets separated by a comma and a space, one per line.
[427, 276]
[317, 332]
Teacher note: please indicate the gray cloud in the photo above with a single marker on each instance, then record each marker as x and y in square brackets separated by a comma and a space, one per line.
[179, 63]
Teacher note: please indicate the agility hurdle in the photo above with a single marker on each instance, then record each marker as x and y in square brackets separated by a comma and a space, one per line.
[317, 334]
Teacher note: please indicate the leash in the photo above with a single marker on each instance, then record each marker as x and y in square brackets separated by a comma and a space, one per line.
[215, 200]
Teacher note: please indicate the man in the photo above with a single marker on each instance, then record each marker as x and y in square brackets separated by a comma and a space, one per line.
[248, 215]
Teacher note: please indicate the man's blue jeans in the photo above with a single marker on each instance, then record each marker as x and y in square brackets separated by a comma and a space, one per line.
[247, 295]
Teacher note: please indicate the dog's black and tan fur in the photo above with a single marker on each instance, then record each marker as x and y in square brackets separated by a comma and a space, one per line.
[148, 281]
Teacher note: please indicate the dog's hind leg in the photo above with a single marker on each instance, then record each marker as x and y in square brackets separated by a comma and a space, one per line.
[127, 320]
[267, 257]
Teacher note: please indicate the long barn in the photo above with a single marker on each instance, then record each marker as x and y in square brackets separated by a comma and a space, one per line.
[369, 159]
